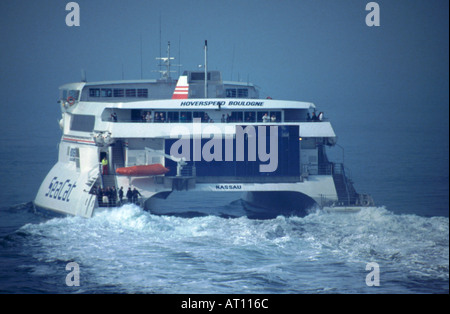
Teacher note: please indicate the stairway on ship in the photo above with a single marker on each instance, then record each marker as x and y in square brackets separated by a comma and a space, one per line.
[344, 188]
[117, 160]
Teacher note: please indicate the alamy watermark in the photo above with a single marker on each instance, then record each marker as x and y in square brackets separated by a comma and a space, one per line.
[255, 136]
[73, 17]
[373, 18]
[73, 277]
[373, 277]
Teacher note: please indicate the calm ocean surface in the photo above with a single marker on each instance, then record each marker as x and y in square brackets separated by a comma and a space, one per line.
[127, 250]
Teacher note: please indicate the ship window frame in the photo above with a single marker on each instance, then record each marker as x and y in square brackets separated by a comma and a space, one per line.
[277, 114]
[242, 93]
[231, 93]
[82, 123]
[188, 116]
[236, 116]
[250, 116]
[94, 92]
[158, 120]
[173, 116]
[142, 92]
[130, 92]
[106, 92]
[119, 92]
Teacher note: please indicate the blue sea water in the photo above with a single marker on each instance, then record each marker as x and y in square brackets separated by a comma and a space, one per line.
[128, 250]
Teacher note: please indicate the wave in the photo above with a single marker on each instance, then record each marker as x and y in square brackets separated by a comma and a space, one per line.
[134, 251]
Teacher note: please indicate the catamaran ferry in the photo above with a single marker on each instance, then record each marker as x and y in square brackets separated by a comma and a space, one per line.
[157, 142]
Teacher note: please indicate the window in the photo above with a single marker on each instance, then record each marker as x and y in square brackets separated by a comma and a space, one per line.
[130, 93]
[186, 116]
[239, 93]
[160, 116]
[242, 93]
[236, 116]
[74, 155]
[199, 76]
[275, 116]
[263, 116]
[106, 92]
[250, 116]
[94, 92]
[231, 93]
[201, 115]
[74, 93]
[118, 92]
[83, 123]
[172, 116]
[142, 93]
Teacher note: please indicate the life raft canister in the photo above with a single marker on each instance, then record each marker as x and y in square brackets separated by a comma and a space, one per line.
[144, 170]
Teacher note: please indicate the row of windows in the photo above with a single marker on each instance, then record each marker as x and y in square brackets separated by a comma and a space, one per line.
[118, 92]
[237, 92]
[188, 116]
[143, 92]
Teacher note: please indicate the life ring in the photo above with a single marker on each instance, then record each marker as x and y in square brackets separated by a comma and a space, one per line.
[70, 100]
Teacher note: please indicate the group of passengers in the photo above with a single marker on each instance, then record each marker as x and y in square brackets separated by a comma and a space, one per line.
[159, 117]
[249, 117]
[107, 197]
[314, 118]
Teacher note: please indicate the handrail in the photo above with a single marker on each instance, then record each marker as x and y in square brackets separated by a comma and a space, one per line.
[119, 120]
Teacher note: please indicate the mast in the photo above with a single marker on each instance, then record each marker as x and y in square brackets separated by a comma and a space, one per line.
[166, 61]
[206, 69]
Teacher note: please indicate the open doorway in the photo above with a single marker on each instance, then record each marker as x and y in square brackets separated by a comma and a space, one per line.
[105, 166]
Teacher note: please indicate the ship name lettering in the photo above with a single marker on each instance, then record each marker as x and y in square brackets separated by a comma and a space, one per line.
[246, 103]
[201, 103]
[228, 187]
[60, 190]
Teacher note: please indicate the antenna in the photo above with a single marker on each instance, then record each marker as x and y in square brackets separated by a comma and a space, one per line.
[141, 56]
[165, 74]
[160, 56]
[83, 75]
[206, 69]
[232, 63]
[179, 53]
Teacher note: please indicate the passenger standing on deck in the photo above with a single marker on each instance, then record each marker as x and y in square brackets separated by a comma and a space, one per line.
[129, 195]
[148, 117]
[105, 198]
[100, 196]
[135, 195]
[121, 195]
[320, 117]
[113, 197]
[104, 166]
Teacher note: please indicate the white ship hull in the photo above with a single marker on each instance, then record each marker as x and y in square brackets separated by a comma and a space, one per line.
[67, 191]
[185, 154]
[63, 191]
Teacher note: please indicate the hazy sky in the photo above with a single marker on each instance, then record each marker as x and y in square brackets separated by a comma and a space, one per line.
[314, 50]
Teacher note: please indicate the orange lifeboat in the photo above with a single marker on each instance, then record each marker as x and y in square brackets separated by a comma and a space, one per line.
[145, 170]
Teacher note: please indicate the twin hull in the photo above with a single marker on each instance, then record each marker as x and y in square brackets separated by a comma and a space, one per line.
[67, 189]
